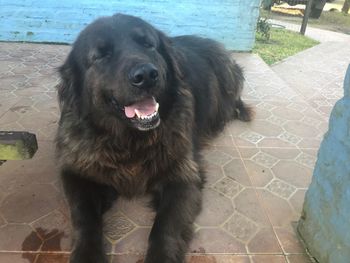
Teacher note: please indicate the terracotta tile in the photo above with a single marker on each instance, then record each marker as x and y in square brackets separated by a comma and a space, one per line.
[223, 140]
[17, 80]
[201, 259]
[40, 169]
[5, 105]
[128, 258]
[262, 114]
[306, 160]
[282, 153]
[259, 175]
[2, 221]
[248, 204]
[266, 128]
[116, 226]
[313, 152]
[55, 243]
[217, 157]
[8, 118]
[213, 173]
[281, 188]
[293, 173]
[217, 259]
[265, 159]
[297, 200]
[34, 122]
[235, 169]
[269, 259]
[216, 209]
[299, 259]
[108, 246]
[324, 127]
[32, 202]
[31, 257]
[138, 211]
[301, 129]
[248, 152]
[52, 258]
[15, 237]
[206, 241]
[51, 224]
[51, 105]
[230, 150]
[17, 258]
[276, 120]
[232, 259]
[251, 136]
[238, 127]
[14, 126]
[135, 243]
[278, 210]
[241, 227]
[227, 187]
[275, 142]
[289, 241]
[241, 142]
[290, 137]
[265, 241]
[288, 114]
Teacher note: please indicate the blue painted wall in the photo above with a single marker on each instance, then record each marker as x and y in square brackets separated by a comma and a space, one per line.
[325, 223]
[229, 21]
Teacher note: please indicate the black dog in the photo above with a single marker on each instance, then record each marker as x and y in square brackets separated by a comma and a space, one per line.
[136, 109]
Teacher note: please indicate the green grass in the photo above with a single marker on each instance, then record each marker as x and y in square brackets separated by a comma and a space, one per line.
[282, 44]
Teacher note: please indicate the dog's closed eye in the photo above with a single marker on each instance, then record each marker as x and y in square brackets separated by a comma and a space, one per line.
[143, 39]
[102, 50]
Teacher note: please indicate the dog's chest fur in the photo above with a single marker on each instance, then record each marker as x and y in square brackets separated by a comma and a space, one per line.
[131, 165]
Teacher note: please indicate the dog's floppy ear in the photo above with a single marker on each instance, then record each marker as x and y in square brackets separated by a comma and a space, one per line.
[174, 56]
[68, 87]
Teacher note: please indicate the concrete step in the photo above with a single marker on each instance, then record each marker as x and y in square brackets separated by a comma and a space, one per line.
[317, 74]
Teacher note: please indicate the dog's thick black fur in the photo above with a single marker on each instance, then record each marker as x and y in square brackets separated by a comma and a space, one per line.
[136, 109]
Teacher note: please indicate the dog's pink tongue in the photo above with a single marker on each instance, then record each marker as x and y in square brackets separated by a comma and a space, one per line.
[144, 107]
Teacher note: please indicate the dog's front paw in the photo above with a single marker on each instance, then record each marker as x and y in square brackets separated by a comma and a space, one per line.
[87, 256]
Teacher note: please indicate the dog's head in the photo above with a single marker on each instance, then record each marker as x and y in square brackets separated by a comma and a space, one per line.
[119, 70]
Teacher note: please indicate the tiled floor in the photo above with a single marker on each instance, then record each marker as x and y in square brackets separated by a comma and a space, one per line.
[257, 173]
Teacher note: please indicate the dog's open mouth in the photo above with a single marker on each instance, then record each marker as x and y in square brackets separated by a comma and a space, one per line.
[143, 114]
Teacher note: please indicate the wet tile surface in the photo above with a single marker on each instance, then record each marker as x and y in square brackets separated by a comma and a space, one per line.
[258, 172]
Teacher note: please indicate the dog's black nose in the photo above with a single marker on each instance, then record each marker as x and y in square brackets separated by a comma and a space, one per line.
[143, 75]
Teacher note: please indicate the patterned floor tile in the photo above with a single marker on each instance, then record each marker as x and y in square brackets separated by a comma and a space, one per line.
[248, 204]
[289, 241]
[19, 237]
[300, 259]
[217, 210]
[206, 241]
[235, 170]
[257, 172]
[264, 241]
[293, 173]
[269, 259]
[278, 209]
[30, 203]
[240, 227]
[281, 188]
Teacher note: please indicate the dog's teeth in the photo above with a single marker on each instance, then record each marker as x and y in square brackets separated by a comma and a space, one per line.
[145, 117]
[138, 113]
[157, 107]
